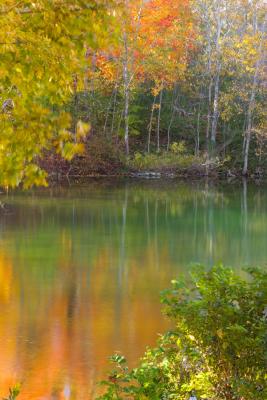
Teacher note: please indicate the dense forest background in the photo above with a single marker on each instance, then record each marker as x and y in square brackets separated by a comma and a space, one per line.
[165, 85]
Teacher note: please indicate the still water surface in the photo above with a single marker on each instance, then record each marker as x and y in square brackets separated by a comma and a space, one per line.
[81, 269]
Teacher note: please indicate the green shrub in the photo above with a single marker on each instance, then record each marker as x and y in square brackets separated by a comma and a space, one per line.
[13, 393]
[216, 350]
[166, 160]
[178, 148]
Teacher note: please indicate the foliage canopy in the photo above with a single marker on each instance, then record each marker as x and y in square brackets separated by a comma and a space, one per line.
[143, 74]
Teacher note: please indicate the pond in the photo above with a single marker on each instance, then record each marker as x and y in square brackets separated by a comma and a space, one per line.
[82, 267]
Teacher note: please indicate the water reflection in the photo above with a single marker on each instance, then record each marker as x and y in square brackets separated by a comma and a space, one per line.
[81, 270]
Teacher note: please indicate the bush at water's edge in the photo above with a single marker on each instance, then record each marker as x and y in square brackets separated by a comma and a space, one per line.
[217, 349]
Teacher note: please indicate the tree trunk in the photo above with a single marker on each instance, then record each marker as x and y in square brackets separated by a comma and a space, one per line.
[208, 121]
[107, 112]
[114, 110]
[251, 106]
[119, 126]
[174, 105]
[150, 124]
[207, 21]
[247, 136]
[128, 73]
[217, 77]
[159, 115]
[75, 116]
[126, 94]
[215, 108]
[197, 132]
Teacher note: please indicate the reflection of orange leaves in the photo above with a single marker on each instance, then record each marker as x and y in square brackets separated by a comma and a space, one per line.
[8, 376]
[64, 355]
[5, 278]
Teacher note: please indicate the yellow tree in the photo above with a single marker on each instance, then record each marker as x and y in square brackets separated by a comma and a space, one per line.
[41, 50]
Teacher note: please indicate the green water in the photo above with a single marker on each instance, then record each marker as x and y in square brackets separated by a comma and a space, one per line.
[81, 269]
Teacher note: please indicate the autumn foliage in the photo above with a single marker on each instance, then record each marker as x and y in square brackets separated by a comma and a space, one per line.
[142, 74]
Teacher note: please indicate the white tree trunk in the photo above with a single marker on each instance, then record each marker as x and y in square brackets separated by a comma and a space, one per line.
[251, 105]
[215, 115]
[126, 94]
[159, 115]
[150, 124]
